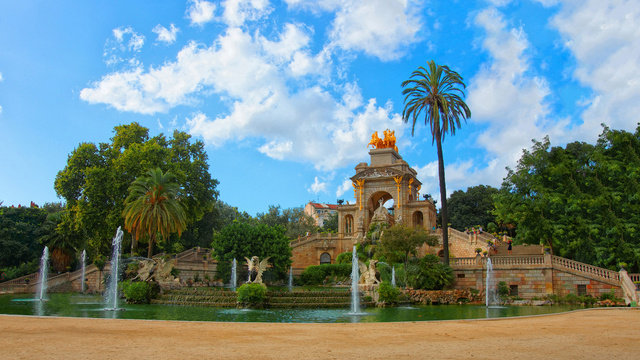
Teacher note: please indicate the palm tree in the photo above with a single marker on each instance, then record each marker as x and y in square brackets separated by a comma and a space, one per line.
[152, 207]
[438, 92]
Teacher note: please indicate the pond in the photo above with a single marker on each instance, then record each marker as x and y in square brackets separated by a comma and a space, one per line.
[86, 306]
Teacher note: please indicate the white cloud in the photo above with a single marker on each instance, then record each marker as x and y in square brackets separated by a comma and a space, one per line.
[381, 28]
[604, 38]
[237, 12]
[317, 186]
[167, 36]
[201, 12]
[346, 186]
[1, 78]
[253, 75]
[510, 100]
[123, 47]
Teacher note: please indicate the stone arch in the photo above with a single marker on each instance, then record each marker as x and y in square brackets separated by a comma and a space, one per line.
[325, 258]
[417, 219]
[374, 203]
[348, 224]
[441, 253]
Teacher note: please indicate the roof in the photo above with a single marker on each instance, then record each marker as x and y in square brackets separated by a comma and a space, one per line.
[324, 206]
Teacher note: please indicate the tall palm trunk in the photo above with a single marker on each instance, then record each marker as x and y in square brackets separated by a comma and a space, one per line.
[443, 199]
[152, 239]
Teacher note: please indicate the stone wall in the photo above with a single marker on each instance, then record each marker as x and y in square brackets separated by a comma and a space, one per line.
[306, 251]
[536, 276]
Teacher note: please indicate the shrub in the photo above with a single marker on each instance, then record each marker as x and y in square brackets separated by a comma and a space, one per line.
[388, 294]
[429, 273]
[316, 274]
[609, 296]
[503, 289]
[139, 292]
[344, 258]
[252, 295]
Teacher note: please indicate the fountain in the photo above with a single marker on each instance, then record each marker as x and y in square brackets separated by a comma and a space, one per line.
[234, 275]
[491, 293]
[44, 274]
[355, 290]
[393, 276]
[290, 277]
[111, 293]
[84, 260]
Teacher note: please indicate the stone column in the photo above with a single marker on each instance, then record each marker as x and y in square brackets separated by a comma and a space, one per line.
[548, 274]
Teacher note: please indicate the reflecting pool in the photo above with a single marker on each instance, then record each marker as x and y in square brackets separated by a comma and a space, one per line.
[87, 306]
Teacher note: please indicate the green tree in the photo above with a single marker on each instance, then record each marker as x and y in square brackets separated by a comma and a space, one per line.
[429, 273]
[242, 239]
[95, 181]
[153, 208]
[437, 94]
[399, 242]
[331, 224]
[583, 201]
[472, 207]
[63, 242]
[294, 220]
[20, 229]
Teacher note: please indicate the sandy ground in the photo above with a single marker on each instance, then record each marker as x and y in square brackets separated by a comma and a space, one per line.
[586, 334]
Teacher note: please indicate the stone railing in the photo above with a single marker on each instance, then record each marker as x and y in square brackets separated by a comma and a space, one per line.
[464, 262]
[21, 284]
[628, 287]
[313, 237]
[634, 277]
[585, 269]
[517, 260]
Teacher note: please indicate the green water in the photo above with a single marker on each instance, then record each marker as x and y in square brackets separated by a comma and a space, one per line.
[74, 305]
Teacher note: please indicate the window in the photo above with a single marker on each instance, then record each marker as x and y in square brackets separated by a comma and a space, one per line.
[325, 258]
[513, 290]
[460, 276]
[582, 290]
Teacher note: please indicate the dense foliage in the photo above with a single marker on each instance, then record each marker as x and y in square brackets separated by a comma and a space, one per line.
[252, 295]
[388, 293]
[318, 274]
[428, 273]
[244, 239]
[472, 207]
[399, 242]
[153, 207]
[139, 292]
[96, 179]
[583, 200]
[294, 220]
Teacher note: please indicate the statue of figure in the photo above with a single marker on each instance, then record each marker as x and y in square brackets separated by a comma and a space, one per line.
[376, 142]
[158, 270]
[256, 269]
[381, 214]
[369, 276]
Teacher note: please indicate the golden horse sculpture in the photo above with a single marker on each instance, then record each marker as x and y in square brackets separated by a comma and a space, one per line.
[389, 140]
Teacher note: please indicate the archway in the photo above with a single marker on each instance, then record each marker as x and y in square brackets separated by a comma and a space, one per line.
[348, 224]
[325, 258]
[417, 219]
[386, 200]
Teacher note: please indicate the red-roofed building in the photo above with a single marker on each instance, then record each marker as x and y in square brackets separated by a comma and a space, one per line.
[320, 212]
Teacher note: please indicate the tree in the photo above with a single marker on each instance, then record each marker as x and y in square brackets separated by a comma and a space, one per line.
[472, 207]
[582, 201]
[96, 179]
[400, 241]
[294, 220]
[438, 92]
[63, 242]
[331, 224]
[20, 229]
[243, 239]
[153, 207]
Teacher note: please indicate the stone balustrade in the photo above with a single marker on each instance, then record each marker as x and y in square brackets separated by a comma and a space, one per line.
[586, 269]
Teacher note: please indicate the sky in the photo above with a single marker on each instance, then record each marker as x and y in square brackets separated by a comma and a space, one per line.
[286, 94]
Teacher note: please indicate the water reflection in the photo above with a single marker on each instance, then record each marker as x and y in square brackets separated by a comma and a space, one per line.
[73, 305]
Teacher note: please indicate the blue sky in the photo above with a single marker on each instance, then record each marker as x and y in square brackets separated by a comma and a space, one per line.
[286, 94]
